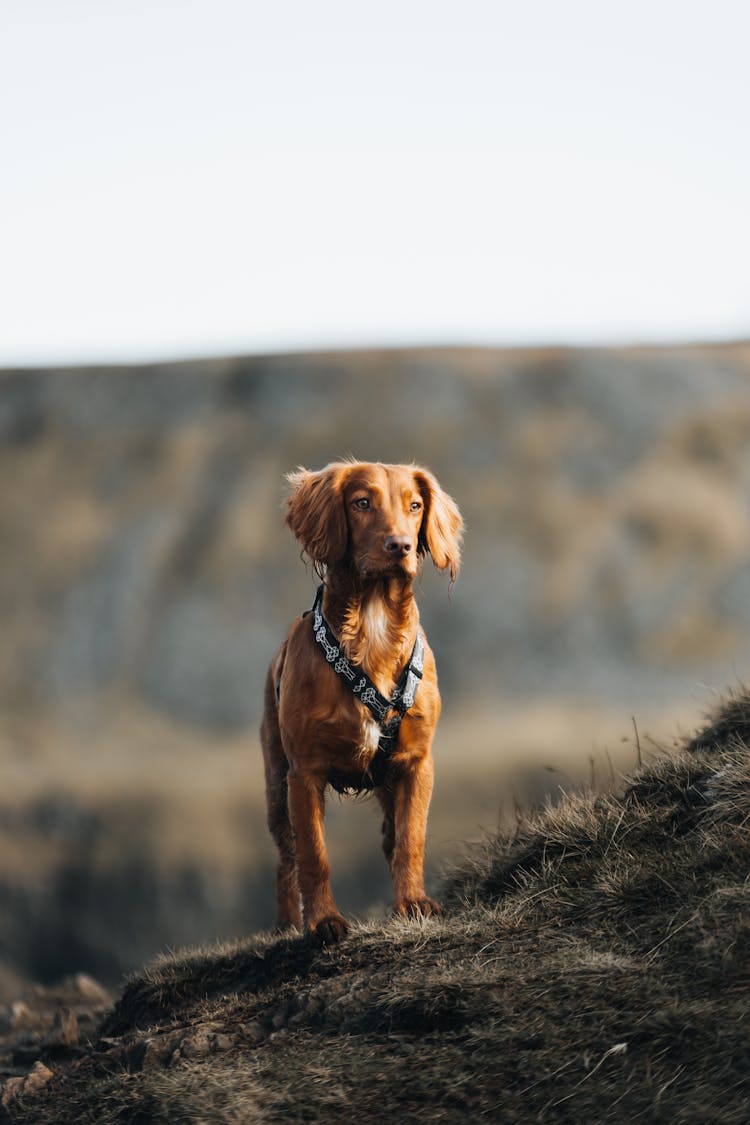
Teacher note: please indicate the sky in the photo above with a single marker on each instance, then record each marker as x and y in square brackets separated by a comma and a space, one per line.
[203, 177]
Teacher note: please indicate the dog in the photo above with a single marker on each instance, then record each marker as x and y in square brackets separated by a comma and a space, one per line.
[351, 697]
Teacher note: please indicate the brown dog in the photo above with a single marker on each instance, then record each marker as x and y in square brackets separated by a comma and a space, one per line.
[340, 704]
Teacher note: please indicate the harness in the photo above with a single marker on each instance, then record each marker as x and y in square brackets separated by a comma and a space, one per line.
[365, 690]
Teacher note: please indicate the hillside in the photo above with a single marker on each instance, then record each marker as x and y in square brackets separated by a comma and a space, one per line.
[593, 965]
[604, 494]
[146, 577]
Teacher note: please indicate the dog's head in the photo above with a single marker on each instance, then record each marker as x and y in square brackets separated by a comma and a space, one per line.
[379, 519]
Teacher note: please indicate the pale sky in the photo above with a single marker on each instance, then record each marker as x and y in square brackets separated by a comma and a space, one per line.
[203, 177]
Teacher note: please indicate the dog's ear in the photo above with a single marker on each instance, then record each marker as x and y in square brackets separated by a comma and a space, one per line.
[442, 526]
[315, 513]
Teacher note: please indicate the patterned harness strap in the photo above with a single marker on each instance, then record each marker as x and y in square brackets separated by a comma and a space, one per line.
[364, 689]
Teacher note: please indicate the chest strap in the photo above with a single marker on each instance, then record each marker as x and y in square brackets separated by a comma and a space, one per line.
[364, 689]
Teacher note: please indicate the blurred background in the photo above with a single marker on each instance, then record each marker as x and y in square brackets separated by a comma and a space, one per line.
[508, 242]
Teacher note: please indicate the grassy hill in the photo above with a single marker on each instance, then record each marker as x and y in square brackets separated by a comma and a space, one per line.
[593, 965]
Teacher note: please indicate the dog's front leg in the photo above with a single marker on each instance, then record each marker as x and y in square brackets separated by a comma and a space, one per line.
[411, 801]
[307, 812]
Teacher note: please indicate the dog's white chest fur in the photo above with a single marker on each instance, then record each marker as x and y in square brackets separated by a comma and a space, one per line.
[378, 646]
[378, 641]
[370, 738]
[375, 621]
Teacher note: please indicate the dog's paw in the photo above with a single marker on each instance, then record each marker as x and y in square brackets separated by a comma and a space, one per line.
[330, 929]
[417, 908]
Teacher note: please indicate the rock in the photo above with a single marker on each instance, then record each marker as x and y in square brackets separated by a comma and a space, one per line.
[160, 1050]
[11, 1090]
[253, 1033]
[90, 990]
[201, 1042]
[35, 1080]
[38, 1077]
[16, 1016]
[197, 1044]
[223, 1042]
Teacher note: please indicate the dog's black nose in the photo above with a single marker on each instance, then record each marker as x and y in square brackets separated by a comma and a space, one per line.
[398, 545]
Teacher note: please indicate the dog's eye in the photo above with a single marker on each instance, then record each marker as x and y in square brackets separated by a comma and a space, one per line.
[416, 506]
[362, 503]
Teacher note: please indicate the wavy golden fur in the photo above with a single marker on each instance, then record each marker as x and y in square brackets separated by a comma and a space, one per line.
[366, 528]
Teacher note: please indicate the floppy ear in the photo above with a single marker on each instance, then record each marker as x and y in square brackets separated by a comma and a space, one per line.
[315, 513]
[442, 526]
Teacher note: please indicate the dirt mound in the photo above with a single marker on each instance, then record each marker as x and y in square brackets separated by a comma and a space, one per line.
[593, 965]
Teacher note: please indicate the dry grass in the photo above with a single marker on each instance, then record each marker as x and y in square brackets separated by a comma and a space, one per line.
[592, 966]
